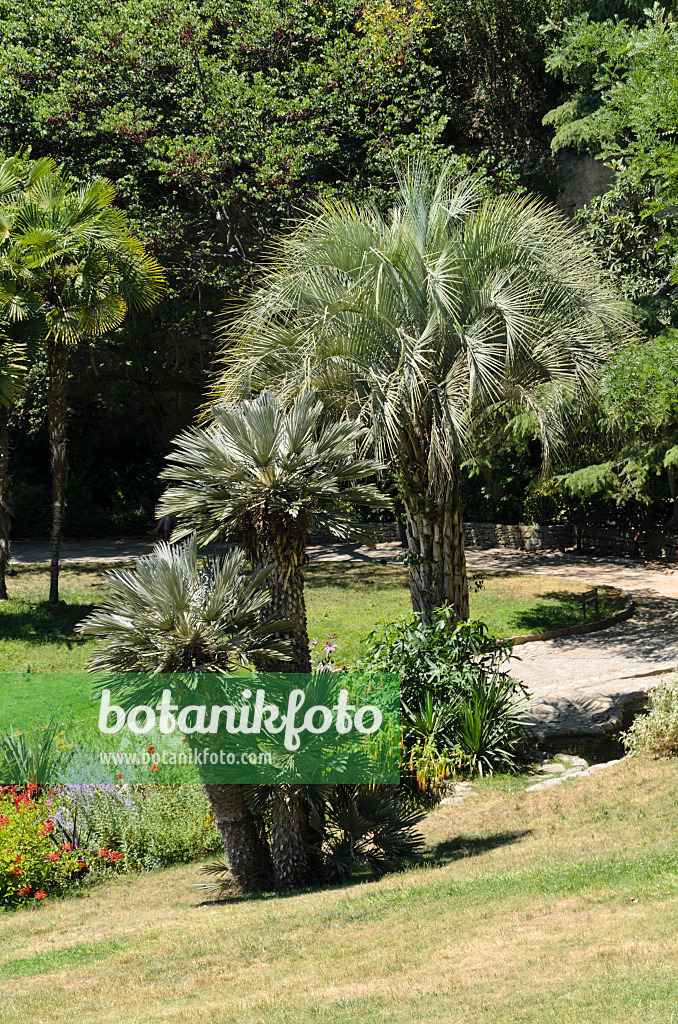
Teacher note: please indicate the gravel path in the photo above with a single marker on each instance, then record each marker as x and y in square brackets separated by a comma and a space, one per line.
[583, 686]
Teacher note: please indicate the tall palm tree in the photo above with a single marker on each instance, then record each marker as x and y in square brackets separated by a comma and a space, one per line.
[22, 328]
[418, 321]
[178, 613]
[87, 270]
[263, 476]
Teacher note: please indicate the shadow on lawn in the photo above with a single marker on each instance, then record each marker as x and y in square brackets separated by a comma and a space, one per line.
[471, 846]
[564, 609]
[347, 576]
[443, 853]
[41, 624]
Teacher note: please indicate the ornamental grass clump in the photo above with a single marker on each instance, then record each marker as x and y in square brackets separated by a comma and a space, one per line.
[657, 731]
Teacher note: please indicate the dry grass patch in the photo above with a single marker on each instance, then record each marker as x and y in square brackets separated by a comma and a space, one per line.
[524, 914]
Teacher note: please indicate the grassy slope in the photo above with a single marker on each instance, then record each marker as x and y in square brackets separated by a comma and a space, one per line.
[525, 916]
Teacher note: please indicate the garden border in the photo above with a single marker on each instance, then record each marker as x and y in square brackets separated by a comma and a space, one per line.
[582, 627]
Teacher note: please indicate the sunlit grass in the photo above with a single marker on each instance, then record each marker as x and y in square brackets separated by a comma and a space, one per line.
[559, 906]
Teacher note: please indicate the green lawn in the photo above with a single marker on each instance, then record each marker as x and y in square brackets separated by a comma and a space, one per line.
[343, 599]
[557, 907]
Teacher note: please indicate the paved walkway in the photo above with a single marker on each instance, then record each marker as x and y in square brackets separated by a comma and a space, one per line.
[583, 686]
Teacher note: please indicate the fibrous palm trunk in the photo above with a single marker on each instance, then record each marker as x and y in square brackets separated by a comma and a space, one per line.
[5, 499]
[57, 413]
[247, 851]
[289, 837]
[437, 563]
[281, 542]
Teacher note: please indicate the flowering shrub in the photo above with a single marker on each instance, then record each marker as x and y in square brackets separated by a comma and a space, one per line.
[33, 861]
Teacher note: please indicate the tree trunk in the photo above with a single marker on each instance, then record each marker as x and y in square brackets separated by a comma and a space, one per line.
[247, 852]
[673, 491]
[5, 499]
[57, 414]
[281, 542]
[289, 837]
[437, 561]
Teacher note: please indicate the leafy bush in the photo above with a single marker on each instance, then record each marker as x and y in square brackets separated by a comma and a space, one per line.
[442, 658]
[461, 711]
[153, 826]
[657, 731]
[34, 861]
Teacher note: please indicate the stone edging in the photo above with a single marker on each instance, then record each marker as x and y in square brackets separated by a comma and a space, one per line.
[582, 627]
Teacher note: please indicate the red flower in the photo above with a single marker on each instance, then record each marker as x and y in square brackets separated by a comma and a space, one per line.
[103, 852]
[40, 895]
[53, 856]
[24, 892]
[47, 828]
[113, 856]
[67, 846]
[154, 767]
[16, 870]
[118, 777]
[151, 749]
[3, 820]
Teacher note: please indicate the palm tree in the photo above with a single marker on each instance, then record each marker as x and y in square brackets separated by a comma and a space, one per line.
[178, 613]
[22, 329]
[419, 321]
[264, 476]
[87, 270]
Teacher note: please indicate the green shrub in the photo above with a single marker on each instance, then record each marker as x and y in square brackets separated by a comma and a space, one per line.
[153, 826]
[657, 731]
[461, 711]
[440, 657]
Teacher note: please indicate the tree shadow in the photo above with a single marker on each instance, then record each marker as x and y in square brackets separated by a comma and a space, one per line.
[347, 576]
[471, 846]
[42, 624]
[443, 853]
[565, 609]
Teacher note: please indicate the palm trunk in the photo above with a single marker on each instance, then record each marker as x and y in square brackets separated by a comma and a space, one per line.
[247, 852]
[5, 499]
[673, 491]
[289, 837]
[282, 543]
[57, 414]
[437, 561]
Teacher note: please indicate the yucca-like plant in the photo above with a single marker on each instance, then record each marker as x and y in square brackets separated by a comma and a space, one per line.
[419, 322]
[76, 255]
[176, 612]
[263, 475]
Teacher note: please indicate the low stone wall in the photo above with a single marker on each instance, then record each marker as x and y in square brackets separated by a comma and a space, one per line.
[602, 540]
[383, 533]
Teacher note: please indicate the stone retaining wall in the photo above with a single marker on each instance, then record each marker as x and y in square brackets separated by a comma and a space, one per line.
[602, 540]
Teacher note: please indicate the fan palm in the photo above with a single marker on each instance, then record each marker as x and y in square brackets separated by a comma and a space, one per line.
[178, 613]
[87, 270]
[22, 328]
[263, 476]
[449, 306]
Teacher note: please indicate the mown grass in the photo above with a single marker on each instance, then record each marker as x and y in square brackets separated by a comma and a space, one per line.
[347, 600]
[556, 907]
